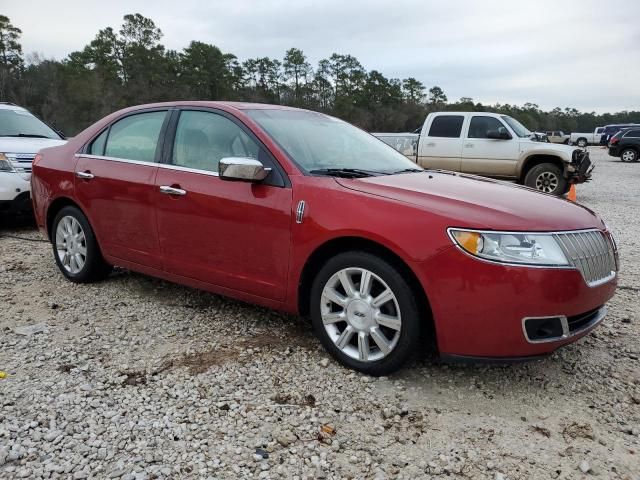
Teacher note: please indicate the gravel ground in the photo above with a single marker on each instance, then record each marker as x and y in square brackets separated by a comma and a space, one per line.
[137, 378]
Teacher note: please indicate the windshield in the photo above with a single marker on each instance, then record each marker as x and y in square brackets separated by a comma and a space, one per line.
[318, 142]
[20, 123]
[519, 129]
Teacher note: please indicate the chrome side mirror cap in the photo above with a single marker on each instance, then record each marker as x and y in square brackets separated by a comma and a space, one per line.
[243, 169]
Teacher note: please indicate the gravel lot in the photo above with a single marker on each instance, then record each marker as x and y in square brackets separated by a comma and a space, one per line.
[137, 378]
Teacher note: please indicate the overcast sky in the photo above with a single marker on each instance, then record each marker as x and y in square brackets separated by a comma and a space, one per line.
[577, 53]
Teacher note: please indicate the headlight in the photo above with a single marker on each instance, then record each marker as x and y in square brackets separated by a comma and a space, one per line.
[5, 164]
[511, 247]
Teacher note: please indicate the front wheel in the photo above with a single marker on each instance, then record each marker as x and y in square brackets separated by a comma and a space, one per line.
[365, 313]
[546, 178]
[75, 247]
[629, 155]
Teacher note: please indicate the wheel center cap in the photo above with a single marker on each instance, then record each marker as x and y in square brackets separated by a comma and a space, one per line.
[359, 314]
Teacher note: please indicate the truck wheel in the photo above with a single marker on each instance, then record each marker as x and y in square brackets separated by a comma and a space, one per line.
[629, 155]
[365, 313]
[76, 249]
[546, 178]
[582, 142]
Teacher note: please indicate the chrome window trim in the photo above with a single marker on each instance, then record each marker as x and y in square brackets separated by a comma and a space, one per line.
[597, 319]
[526, 265]
[151, 164]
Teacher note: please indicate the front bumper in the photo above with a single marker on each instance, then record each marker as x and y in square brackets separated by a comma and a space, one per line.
[14, 191]
[479, 307]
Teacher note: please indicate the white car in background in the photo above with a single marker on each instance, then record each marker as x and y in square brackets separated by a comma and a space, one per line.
[22, 135]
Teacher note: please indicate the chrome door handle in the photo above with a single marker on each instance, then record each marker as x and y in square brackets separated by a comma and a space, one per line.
[171, 190]
[85, 175]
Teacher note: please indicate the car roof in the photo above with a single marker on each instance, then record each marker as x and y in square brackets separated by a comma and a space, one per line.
[11, 106]
[216, 104]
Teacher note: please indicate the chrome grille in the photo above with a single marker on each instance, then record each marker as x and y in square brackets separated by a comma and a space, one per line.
[21, 161]
[591, 252]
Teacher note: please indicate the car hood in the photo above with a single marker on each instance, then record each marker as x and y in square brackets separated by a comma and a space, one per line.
[548, 147]
[477, 202]
[27, 145]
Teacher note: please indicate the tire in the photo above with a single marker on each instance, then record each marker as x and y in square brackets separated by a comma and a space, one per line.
[546, 178]
[75, 247]
[388, 332]
[582, 142]
[629, 155]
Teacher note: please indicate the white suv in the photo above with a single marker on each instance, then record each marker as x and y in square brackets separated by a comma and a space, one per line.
[22, 135]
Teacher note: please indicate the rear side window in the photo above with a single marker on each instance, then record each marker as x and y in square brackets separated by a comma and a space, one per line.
[479, 127]
[632, 134]
[449, 126]
[135, 137]
[97, 146]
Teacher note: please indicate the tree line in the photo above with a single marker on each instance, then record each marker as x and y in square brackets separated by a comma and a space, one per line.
[130, 66]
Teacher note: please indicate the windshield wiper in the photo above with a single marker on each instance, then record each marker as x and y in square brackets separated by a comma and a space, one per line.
[346, 172]
[410, 170]
[29, 135]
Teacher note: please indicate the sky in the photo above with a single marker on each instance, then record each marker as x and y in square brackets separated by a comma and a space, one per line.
[563, 53]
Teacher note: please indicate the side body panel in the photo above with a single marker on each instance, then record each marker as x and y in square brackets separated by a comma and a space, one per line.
[231, 234]
[120, 204]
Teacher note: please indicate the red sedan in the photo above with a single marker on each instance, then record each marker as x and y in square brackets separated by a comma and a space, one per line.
[299, 211]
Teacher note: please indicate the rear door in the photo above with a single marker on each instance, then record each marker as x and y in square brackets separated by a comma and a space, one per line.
[488, 156]
[232, 234]
[115, 184]
[441, 145]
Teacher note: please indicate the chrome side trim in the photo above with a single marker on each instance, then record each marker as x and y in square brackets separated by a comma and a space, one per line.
[187, 169]
[300, 211]
[151, 164]
[602, 312]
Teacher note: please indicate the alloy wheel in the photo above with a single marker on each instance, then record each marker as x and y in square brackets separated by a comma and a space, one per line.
[361, 314]
[547, 182]
[71, 244]
[628, 156]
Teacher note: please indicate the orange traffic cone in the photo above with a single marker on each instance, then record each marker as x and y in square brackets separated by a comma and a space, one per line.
[572, 193]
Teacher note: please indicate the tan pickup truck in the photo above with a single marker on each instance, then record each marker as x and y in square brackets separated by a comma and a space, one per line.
[492, 145]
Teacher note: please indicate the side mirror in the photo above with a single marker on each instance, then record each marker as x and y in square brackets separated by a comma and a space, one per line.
[242, 169]
[500, 134]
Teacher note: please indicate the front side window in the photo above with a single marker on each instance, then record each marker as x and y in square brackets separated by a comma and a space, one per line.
[480, 126]
[519, 129]
[204, 138]
[135, 137]
[448, 126]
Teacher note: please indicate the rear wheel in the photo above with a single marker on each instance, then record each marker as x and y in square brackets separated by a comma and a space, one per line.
[75, 247]
[582, 142]
[546, 178]
[629, 155]
[365, 313]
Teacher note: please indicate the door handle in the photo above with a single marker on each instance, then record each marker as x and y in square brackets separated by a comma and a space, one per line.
[468, 145]
[172, 190]
[431, 144]
[87, 175]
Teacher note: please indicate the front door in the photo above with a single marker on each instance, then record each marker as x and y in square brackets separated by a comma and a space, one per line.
[115, 184]
[488, 156]
[232, 234]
